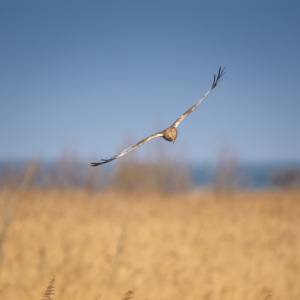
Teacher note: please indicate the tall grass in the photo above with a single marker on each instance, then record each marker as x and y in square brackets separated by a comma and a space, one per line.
[165, 246]
[9, 206]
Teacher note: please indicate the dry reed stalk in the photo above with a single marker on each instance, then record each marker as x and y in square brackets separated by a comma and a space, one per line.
[50, 291]
[119, 250]
[128, 295]
[41, 267]
[13, 206]
[268, 294]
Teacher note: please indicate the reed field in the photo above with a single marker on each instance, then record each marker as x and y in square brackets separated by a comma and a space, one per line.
[193, 245]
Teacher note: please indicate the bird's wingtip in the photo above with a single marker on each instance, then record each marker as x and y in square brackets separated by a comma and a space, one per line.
[219, 77]
[103, 161]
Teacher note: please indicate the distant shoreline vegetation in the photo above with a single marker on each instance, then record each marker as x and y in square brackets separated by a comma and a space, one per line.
[165, 176]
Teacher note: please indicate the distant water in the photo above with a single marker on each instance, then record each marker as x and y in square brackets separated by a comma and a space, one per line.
[249, 175]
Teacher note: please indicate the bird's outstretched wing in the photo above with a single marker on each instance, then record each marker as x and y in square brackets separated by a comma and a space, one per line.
[215, 83]
[142, 142]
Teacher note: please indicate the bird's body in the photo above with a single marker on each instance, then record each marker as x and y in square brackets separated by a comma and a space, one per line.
[169, 134]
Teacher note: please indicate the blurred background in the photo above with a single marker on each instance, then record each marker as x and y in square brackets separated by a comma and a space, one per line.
[81, 80]
[214, 216]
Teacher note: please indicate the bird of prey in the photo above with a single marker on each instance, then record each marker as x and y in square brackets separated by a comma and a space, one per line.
[168, 134]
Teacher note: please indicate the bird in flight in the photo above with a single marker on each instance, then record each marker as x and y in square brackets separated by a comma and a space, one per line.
[169, 134]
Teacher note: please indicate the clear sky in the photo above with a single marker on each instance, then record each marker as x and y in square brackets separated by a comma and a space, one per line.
[88, 74]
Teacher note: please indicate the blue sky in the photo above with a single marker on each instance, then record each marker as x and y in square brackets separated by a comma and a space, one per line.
[92, 75]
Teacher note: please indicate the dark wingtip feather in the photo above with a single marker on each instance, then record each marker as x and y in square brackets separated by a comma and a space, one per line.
[220, 75]
[104, 161]
[96, 164]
